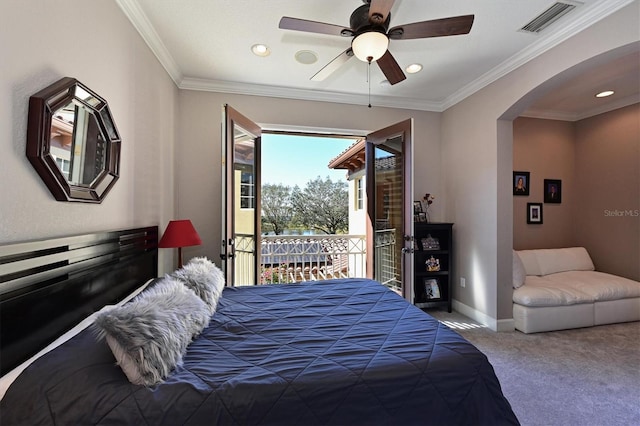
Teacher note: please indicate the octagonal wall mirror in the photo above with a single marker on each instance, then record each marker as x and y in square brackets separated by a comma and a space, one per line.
[72, 141]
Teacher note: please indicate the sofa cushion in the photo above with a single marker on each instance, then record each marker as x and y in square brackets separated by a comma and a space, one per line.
[519, 273]
[598, 285]
[540, 291]
[550, 261]
[530, 261]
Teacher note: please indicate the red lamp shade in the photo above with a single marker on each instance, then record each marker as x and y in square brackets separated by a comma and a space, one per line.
[179, 233]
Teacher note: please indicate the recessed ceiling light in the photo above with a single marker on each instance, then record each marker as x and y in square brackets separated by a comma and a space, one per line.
[260, 50]
[413, 68]
[605, 94]
[306, 57]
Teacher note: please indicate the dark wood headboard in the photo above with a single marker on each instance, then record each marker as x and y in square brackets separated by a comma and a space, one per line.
[48, 286]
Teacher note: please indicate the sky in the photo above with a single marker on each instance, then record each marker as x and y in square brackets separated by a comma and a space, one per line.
[295, 160]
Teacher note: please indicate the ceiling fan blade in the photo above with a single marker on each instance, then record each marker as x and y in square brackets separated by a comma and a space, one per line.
[380, 7]
[287, 23]
[332, 66]
[435, 28]
[390, 68]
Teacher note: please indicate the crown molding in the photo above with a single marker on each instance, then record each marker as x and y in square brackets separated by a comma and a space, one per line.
[620, 103]
[207, 85]
[137, 17]
[552, 39]
[567, 116]
[545, 114]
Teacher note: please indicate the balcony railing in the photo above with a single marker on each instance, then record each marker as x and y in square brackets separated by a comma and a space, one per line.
[386, 269]
[294, 258]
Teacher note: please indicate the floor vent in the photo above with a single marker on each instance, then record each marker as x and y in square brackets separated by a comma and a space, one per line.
[549, 16]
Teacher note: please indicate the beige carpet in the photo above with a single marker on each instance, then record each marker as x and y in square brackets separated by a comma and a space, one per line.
[583, 377]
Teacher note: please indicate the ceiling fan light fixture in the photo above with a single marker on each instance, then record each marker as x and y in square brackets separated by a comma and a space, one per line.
[261, 50]
[370, 44]
[413, 68]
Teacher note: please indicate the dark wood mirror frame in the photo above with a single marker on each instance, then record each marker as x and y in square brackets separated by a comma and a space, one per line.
[92, 141]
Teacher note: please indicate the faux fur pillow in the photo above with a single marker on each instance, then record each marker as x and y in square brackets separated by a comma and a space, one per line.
[149, 335]
[204, 278]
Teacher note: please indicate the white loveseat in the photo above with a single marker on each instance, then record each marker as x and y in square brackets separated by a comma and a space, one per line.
[556, 289]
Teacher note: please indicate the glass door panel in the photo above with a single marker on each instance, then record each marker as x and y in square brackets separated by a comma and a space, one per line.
[241, 204]
[389, 206]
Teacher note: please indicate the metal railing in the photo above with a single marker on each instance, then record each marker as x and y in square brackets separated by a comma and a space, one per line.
[294, 258]
[386, 267]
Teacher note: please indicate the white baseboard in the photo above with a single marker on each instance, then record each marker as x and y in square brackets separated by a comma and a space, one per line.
[484, 319]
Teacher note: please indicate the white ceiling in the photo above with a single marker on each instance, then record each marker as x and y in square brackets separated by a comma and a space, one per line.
[206, 45]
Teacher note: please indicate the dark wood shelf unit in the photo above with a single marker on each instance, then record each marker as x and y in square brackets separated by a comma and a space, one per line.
[423, 294]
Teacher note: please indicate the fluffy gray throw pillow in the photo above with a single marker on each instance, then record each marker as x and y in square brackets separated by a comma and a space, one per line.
[149, 335]
[204, 278]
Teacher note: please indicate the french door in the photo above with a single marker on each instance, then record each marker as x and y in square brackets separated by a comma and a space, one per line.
[389, 193]
[241, 204]
[389, 201]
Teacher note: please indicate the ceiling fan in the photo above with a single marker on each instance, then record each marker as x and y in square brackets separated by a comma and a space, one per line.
[369, 27]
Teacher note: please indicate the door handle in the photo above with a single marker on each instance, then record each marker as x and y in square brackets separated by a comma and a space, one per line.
[232, 248]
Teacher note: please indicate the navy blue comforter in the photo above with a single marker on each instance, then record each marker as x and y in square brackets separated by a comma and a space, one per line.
[334, 352]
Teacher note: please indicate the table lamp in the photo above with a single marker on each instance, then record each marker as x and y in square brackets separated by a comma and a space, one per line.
[179, 233]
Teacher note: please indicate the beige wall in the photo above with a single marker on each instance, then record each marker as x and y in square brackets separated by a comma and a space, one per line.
[43, 41]
[598, 161]
[477, 162]
[546, 149]
[607, 220]
[357, 217]
[462, 155]
[198, 151]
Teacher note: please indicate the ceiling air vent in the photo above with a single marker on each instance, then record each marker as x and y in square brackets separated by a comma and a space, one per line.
[549, 16]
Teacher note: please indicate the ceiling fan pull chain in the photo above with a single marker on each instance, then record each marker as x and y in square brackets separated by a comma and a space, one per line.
[369, 79]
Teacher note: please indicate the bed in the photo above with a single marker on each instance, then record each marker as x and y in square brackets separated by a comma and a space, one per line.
[330, 352]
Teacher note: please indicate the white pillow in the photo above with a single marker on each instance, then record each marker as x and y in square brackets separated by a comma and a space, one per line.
[149, 335]
[519, 274]
[530, 262]
[204, 278]
[552, 261]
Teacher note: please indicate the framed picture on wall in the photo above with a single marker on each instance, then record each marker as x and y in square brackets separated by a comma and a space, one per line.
[520, 183]
[553, 191]
[417, 211]
[534, 213]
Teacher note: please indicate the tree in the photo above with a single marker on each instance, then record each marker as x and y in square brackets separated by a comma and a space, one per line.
[277, 210]
[323, 205]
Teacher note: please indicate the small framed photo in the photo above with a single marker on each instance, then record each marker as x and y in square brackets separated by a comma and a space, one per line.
[520, 183]
[417, 207]
[430, 243]
[431, 288]
[534, 213]
[553, 191]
